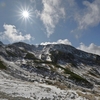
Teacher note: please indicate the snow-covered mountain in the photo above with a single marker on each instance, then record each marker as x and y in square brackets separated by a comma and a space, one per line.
[48, 72]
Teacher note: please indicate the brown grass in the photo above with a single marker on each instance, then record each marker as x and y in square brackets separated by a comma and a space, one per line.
[88, 96]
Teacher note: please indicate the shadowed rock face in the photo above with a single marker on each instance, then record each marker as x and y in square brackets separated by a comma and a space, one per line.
[1, 43]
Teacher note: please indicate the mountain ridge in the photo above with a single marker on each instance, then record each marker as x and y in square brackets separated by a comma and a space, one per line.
[52, 64]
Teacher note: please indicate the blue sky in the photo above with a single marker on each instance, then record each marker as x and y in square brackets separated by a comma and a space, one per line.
[73, 22]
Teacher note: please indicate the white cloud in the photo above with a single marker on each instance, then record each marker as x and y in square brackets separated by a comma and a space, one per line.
[92, 48]
[90, 16]
[60, 41]
[51, 14]
[12, 34]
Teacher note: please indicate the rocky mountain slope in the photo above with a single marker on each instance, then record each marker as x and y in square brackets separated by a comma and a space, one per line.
[48, 72]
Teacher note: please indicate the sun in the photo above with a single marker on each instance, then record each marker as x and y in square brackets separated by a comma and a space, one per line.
[25, 14]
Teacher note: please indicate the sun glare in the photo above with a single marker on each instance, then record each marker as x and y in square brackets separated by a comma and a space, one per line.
[25, 14]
